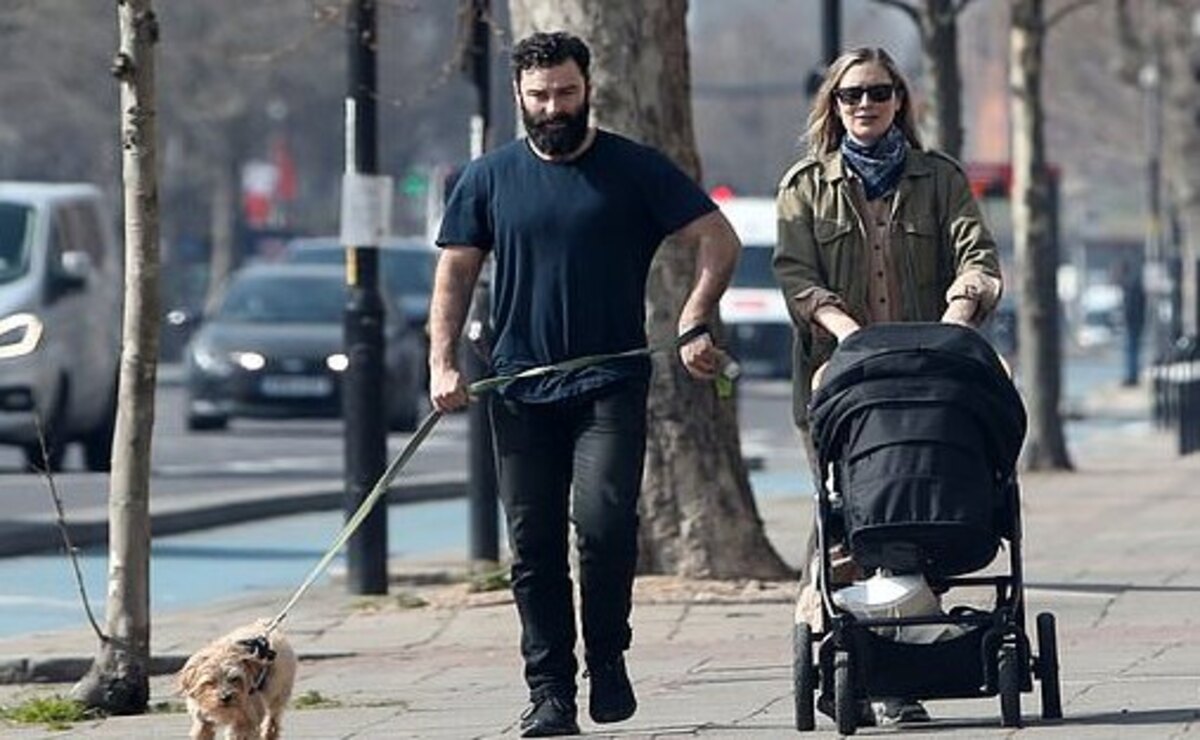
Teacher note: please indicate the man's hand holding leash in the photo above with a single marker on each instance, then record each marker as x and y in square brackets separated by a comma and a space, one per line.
[447, 390]
[718, 248]
[698, 353]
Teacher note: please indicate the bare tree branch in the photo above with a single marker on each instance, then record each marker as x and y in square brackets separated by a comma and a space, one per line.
[912, 11]
[1062, 12]
[1133, 49]
[60, 520]
[960, 6]
[324, 16]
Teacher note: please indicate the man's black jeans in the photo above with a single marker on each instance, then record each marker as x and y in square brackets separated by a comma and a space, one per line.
[585, 453]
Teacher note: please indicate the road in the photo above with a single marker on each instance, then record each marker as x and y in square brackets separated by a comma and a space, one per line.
[308, 454]
[249, 456]
[252, 454]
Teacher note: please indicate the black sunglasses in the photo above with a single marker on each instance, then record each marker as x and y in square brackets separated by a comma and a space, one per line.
[876, 93]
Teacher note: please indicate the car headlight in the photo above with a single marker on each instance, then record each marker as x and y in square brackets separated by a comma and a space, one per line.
[337, 362]
[251, 361]
[20, 334]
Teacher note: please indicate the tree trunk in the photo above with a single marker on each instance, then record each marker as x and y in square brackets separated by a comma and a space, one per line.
[937, 23]
[697, 510]
[118, 681]
[939, 36]
[1036, 245]
[1182, 143]
[222, 215]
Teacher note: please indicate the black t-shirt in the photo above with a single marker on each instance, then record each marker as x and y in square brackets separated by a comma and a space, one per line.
[572, 243]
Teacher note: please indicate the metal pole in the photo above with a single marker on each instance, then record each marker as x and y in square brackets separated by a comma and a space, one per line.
[831, 36]
[831, 43]
[362, 387]
[484, 535]
[1156, 276]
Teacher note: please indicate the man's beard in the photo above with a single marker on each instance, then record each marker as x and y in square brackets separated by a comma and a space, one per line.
[559, 135]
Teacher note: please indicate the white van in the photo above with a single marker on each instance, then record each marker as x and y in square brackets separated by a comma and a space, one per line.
[753, 310]
[61, 279]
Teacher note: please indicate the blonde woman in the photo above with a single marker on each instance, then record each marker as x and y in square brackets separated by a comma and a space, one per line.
[873, 228]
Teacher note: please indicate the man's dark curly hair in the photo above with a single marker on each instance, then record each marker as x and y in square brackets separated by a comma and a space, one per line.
[542, 50]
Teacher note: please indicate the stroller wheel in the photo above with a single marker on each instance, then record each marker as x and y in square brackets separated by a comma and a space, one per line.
[803, 678]
[846, 708]
[1047, 663]
[1009, 683]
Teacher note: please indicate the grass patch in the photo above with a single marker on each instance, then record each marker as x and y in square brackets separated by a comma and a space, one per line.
[367, 604]
[55, 712]
[490, 580]
[383, 704]
[168, 707]
[402, 600]
[406, 600]
[314, 700]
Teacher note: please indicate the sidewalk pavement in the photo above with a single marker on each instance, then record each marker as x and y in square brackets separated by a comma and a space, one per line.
[1112, 549]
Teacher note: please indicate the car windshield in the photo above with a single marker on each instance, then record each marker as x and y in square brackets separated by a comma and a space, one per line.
[16, 224]
[405, 271]
[754, 268]
[284, 299]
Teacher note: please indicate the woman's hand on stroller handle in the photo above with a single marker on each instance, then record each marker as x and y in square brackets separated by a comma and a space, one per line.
[836, 321]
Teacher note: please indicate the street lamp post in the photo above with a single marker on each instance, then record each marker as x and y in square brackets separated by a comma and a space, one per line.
[1156, 277]
[831, 30]
[484, 539]
[831, 43]
[366, 200]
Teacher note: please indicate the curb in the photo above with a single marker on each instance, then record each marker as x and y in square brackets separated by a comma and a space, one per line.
[69, 669]
[27, 537]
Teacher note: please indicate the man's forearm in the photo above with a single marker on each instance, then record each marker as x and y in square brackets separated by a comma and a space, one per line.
[454, 282]
[718, 254]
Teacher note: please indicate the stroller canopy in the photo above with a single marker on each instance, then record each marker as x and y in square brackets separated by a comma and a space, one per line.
[921, 427]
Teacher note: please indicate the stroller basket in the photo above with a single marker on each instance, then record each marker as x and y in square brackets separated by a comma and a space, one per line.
[949, 669]
[920, 427]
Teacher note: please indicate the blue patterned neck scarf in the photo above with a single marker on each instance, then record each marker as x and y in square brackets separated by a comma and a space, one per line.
[878, 165]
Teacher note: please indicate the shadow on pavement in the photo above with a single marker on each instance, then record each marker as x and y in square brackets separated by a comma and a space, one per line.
[1181, 716]
[1112, 588]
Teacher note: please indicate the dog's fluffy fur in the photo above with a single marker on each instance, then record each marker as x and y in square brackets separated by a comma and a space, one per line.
[220, 680]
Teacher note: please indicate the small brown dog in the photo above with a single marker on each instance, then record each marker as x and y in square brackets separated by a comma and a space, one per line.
[241, 681]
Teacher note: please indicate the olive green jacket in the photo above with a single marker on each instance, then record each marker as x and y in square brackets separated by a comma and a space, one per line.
[940, 248]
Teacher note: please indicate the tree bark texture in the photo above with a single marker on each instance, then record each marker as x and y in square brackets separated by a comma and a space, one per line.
[118, 681]
[1035, 244]
[698, 516]
[939, 39]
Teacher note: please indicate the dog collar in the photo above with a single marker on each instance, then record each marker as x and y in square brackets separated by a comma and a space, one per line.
[260, 648]
[261, 681]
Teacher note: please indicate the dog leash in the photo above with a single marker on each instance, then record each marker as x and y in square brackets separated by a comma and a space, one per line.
[725, 379]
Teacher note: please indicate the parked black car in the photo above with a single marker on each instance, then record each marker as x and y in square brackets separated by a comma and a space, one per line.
[273, 347]
[406, 267]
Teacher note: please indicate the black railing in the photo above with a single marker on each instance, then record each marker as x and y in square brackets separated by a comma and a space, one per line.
[1175, 385]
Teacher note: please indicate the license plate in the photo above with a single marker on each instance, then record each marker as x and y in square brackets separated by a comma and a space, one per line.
[296, 386]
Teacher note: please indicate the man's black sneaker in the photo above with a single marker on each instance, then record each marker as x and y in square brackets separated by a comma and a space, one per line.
[611, 698]
[549, 715]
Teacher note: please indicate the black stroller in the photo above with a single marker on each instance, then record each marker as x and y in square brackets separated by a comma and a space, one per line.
[917, 428]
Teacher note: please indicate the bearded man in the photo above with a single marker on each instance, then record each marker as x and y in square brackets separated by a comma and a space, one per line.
[573, 216]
